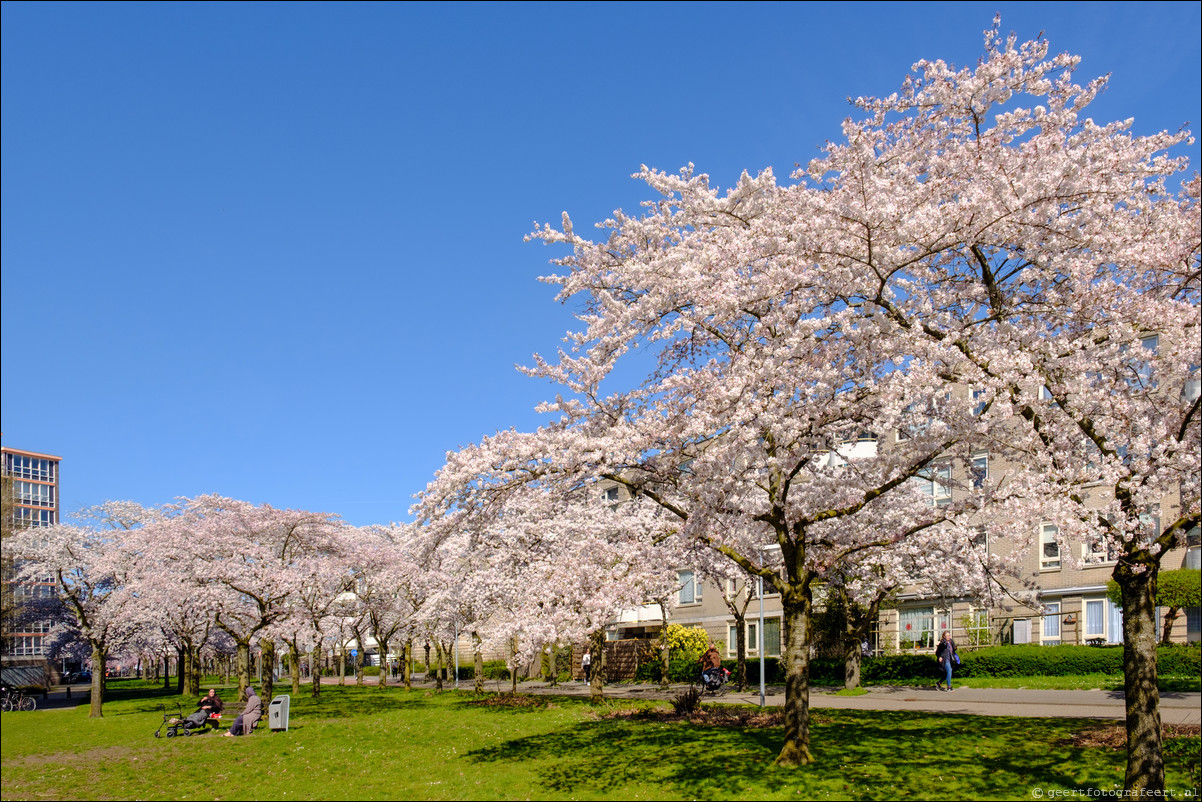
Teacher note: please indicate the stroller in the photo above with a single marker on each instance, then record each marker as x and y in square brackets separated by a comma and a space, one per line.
[178, 724]
[712, 679]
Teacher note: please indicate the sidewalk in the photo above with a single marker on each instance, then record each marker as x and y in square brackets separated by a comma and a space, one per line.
[1175, 708]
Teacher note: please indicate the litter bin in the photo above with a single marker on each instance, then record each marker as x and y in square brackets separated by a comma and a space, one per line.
[277, 713]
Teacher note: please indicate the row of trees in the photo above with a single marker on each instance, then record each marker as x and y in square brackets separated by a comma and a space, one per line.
[977, 266]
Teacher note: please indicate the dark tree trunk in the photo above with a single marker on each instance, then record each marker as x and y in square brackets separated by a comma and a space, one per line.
[597, 654]
[99, 658]
[798, 611]
[1169, 618]
[243, 667]
[740, 651]
[382, 645]
[1145, 761]
[478, 662]
[267, 658]
[408, 667]
[294, 666]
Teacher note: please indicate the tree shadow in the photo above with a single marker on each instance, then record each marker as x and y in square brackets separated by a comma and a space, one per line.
[865, 756]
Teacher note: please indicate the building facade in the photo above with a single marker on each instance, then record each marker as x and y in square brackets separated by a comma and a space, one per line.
[31, 500]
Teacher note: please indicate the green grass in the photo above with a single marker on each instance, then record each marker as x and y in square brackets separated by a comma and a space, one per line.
[366, 743]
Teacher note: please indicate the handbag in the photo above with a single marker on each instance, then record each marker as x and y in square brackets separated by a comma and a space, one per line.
[956, 657]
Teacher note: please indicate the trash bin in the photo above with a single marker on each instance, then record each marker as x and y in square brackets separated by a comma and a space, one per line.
[277, 713]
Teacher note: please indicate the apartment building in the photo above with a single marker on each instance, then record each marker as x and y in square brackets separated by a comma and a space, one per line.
[31, 489]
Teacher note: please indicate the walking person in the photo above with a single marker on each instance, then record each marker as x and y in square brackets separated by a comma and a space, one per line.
[946, 654]
[586, 665]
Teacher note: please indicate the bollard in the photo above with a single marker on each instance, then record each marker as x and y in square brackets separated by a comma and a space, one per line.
[68, 691]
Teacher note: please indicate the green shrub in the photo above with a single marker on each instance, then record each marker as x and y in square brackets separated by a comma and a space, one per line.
[493, 669]
[371, 671]
[1024, 661]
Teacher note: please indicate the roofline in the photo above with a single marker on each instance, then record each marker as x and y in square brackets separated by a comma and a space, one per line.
[7, 450]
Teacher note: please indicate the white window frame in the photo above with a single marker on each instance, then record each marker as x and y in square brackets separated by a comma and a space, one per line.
[1050, 626]
[1048, 535]
[690, 588]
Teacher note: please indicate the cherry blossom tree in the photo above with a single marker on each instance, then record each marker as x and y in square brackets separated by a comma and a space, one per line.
[89, 563]
[973, 243]
[982, 211]
[260, 559]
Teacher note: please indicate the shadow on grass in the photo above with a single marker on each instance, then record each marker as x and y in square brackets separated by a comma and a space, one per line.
[857, 755]
[334, 702]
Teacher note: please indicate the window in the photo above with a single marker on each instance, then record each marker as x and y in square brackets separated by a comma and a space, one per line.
[1051, 624]
[916, 628]
[1099, 552]
[978, 402]
[690, 587]
[936, 483]
[1193, 385]
[772, 637]
[1049, 548]
[611, 496]
[753, 643]
[1103, 619]
[732, 640]
[980, 470]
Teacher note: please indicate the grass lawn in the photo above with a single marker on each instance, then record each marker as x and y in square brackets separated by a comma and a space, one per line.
[366, 743]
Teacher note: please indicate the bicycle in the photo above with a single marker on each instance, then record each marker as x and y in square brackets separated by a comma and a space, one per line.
[17, 700]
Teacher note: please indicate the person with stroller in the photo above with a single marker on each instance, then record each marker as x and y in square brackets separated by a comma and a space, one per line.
[711, 666]
[245, 723]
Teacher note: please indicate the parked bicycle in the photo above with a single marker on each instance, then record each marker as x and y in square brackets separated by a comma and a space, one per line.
[15, 699]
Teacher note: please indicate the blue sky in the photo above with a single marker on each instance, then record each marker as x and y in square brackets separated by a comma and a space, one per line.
[275, 251]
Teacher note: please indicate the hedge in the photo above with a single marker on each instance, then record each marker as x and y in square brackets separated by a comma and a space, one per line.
[993, 661]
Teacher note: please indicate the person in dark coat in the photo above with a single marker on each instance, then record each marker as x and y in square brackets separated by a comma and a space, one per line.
[211, 704]
[945, 652]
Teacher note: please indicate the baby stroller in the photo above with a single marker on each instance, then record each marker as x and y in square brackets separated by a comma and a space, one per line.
[712, 679]
[178, 724]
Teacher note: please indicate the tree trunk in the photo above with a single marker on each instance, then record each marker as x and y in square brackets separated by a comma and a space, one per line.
[267, 658]
[243, 667]
[438, 670]
[408, 667]
[597, 656]
[851, 662]
[382, 645]
[665, 652]
[198, 666]
[342, 664]
[166, 672]
[1169, 618]
[427, 660]
[96, 707]
[797, 613]
[478, 662]
[315, 670]
[513, 670]
[181, 668]
[295, 666]
[1145, 762]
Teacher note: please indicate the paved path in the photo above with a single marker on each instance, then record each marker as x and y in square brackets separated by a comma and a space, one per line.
[1175, 708]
